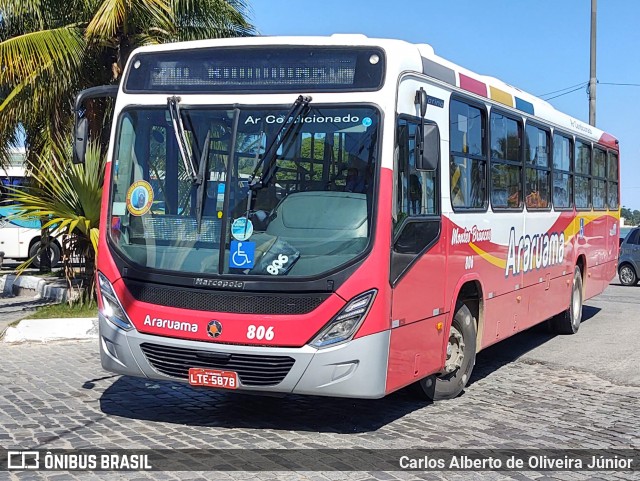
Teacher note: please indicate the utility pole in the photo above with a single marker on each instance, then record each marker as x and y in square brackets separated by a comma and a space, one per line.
[592, 75]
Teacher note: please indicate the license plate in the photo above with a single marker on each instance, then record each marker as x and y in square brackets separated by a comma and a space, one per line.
[213, 378]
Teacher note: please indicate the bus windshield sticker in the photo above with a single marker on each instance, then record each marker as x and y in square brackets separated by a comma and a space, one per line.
[277, 260]
[139, 198]
[116, 226]
[119, 208]
[242, 255]
[242, 229]
[435, 101]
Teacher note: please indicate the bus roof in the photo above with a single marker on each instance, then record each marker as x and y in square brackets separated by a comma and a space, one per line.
[427, 62]
[16, 167]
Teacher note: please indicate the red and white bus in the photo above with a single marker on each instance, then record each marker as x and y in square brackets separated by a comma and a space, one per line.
[339, 216]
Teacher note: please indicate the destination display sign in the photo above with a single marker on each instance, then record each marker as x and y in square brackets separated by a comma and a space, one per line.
[257, 69]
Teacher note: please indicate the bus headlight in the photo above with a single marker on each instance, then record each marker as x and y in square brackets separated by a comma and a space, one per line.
[111, 307]
[345, 324]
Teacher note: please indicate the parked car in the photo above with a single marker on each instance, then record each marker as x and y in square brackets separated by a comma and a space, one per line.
[623, 233]
[629, 261]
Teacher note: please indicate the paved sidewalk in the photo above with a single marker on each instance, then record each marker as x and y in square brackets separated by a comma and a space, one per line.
[15, 308]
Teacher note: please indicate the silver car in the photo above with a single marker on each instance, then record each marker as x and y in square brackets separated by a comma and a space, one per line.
[629, 261]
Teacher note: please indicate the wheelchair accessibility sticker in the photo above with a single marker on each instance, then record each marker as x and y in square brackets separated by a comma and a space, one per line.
[242, 255]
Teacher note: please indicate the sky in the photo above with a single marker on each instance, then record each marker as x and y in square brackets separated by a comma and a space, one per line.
[539, 46]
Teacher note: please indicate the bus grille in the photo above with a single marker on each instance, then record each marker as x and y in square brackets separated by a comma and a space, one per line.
[232, 302]
[252, 369]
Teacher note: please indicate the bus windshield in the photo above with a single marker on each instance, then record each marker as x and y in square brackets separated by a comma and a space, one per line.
[312, 215]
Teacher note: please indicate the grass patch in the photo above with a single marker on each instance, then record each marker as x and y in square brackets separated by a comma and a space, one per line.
[64, 311]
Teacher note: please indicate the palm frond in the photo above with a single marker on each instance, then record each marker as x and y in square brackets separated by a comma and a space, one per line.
[201, 19]
[60, 50]
[111, 16]
[66, 195]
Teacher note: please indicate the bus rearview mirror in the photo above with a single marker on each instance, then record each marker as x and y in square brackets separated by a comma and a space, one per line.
[428, 147]
[80, 141]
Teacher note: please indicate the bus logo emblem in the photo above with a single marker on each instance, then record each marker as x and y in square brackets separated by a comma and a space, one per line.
[214, 328]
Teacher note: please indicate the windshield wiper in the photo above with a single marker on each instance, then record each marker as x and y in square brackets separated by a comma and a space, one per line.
[181, 139]
[299, 108]
[202, 185]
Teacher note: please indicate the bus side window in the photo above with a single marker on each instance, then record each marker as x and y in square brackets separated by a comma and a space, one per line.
[468, 158]
[538, 170]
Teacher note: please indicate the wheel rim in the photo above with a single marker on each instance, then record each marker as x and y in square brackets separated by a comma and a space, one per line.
[576, 304]
[626, 275]
[455, 351]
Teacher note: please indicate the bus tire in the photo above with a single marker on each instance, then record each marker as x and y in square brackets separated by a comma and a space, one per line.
[34, 253]
[568, 321]
[461, 357]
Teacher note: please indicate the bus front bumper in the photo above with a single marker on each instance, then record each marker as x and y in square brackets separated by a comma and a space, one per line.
[357, 368]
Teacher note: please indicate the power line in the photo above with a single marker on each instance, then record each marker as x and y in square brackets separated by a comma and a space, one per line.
[570, 91]
[623, 84]
[562, 90]
[576, 87]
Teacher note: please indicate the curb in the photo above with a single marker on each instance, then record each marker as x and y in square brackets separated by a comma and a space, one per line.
[45, 330]
[52, 289]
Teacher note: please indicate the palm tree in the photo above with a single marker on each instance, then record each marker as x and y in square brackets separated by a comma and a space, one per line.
[49, 50]
[67, 196]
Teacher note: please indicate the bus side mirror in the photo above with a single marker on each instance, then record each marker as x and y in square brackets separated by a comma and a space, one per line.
[80, 139]
[81, 131]
[427, 147]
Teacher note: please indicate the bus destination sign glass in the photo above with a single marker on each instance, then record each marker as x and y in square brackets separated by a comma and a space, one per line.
[257, 69]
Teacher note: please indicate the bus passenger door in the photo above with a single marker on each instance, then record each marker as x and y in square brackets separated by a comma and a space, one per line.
[417, 261]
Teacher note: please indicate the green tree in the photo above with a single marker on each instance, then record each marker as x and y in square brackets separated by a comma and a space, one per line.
[67, 197]
[630, 217]
[49, 50]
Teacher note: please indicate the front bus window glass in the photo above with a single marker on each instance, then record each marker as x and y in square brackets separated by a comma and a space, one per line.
[315, 211]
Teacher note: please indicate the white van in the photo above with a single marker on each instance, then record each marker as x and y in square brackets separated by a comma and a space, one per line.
[20, 239]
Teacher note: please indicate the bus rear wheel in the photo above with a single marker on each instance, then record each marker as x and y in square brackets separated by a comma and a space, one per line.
[461, 357]
[568, 321]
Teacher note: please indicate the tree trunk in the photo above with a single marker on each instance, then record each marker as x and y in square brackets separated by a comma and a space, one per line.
[45, 253]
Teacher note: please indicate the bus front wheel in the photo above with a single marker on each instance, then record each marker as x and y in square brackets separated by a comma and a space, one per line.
[461, 357]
